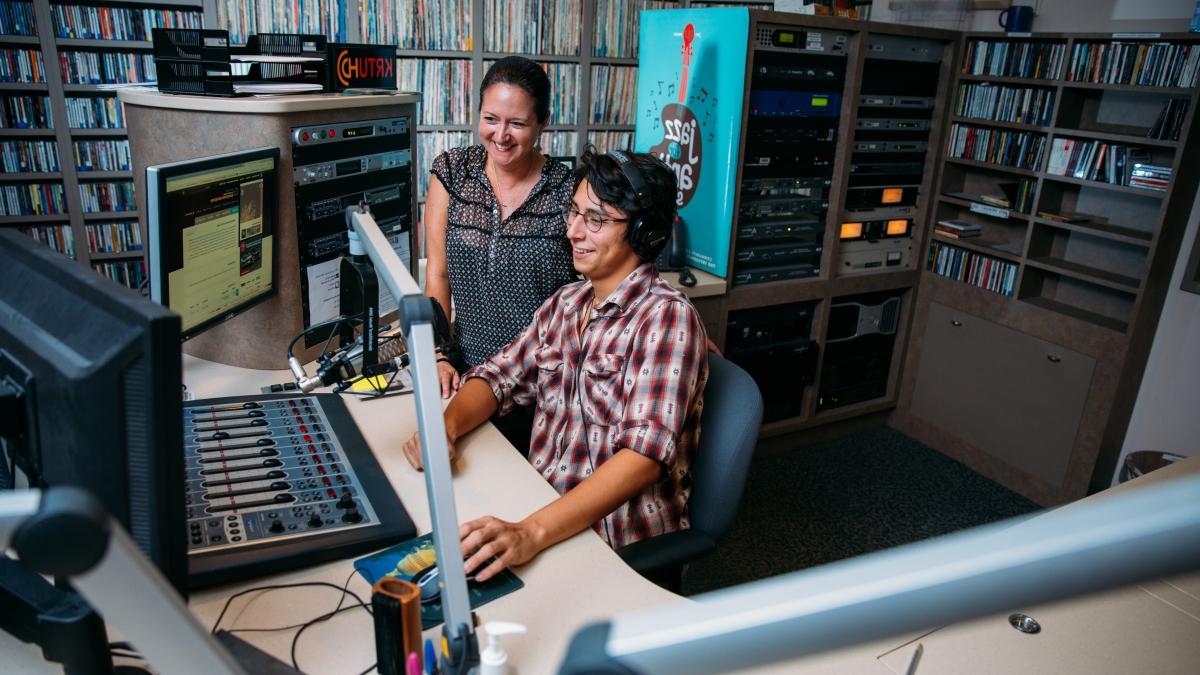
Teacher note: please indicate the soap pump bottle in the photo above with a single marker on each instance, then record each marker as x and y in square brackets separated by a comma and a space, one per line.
[494, 660]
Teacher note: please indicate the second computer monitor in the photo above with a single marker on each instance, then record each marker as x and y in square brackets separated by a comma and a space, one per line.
[212, 233]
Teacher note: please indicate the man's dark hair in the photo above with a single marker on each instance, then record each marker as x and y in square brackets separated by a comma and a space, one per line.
[520, 72]
[606, 178]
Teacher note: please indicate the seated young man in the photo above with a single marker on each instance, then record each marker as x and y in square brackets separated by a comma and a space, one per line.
[616, 365]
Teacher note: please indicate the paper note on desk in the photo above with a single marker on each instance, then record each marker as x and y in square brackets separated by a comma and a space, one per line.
[408, 558]
[399, 382]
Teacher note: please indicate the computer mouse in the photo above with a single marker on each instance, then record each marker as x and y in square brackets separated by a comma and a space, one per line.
[429, 583]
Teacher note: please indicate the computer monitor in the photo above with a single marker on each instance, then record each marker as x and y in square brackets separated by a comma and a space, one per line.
[90, 394]
[211, 233]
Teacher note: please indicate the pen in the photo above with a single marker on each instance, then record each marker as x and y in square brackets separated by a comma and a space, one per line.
[430, 658]
[414, 664]
[916, 658]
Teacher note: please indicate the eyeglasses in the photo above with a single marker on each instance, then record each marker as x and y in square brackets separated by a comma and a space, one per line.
[593, 220]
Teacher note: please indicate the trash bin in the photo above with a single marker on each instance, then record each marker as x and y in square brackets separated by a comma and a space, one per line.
[1144, 461]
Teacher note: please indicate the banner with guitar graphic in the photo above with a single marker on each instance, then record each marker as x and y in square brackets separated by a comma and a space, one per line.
[691, 81]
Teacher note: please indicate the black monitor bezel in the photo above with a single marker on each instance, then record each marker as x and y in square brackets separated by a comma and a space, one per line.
[156, 209]
[137, 458]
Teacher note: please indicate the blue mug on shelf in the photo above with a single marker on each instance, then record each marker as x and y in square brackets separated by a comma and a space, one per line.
[1017, 19]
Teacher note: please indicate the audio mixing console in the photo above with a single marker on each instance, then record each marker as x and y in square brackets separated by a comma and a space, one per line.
[278, 482]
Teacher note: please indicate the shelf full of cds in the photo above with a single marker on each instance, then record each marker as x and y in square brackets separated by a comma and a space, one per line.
[65, 156]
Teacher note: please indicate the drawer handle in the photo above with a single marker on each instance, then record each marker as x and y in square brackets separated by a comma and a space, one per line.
[1053, 358]
[955, 322]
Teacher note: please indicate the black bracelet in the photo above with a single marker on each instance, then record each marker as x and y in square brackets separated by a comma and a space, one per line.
[442, 358]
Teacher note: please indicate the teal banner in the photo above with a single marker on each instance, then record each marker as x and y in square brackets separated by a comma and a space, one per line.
[691, 81]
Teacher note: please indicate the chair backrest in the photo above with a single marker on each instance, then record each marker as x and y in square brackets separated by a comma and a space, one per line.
[733, 409]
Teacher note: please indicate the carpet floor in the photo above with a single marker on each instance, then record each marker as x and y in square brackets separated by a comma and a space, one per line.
[871, 490]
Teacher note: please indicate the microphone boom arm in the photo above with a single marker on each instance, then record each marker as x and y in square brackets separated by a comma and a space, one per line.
[416, 320]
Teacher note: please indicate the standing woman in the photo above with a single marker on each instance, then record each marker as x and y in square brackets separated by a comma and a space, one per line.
[495, 241]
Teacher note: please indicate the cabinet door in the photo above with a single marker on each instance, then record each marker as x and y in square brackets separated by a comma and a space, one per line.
[1008, 394]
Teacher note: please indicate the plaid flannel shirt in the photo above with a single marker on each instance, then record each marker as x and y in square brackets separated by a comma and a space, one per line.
[633, 378]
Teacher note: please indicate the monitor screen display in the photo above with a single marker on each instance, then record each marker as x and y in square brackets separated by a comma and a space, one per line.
[211, 231]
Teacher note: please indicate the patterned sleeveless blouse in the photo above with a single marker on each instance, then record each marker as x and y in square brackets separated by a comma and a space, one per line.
[501, 271]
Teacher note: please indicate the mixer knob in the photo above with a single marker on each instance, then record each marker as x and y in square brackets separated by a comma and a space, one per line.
[315, 521]
[352, 515]
[276, 526]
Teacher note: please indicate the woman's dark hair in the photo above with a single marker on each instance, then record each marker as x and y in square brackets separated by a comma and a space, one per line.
[521, 72]
[606, 179]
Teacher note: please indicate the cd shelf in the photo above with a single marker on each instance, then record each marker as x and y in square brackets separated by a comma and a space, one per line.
[67, 181]
[1095, 125]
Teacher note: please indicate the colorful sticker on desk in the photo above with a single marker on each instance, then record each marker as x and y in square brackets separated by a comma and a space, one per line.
[406, 559]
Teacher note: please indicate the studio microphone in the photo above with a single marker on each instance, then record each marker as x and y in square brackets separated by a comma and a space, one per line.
[386, 367]
[341, 368]
[330, 371]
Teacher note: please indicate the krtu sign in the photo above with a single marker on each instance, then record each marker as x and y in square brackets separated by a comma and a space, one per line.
[371, 66]
[691, 81]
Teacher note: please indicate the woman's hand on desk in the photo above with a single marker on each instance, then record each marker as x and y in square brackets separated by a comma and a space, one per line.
[448, 377]
[412, 451]
[511, 543]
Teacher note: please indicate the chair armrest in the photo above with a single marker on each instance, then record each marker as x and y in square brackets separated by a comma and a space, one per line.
[665, 550]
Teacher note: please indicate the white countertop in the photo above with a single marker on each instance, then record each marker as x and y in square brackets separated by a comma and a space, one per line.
[261, 105]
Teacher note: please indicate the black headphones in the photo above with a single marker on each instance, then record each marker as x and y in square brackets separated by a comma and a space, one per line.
[651, 228]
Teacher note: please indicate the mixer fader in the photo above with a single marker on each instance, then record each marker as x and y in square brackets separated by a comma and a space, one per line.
[276, 482]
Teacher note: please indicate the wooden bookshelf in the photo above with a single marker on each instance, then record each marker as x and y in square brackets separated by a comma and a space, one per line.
[1089, 288]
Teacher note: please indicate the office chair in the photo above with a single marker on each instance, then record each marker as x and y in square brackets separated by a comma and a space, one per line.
[733, 409]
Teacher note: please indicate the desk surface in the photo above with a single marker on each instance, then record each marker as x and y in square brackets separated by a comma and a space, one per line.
[707, 285]
[1152, 627]
[490, 478]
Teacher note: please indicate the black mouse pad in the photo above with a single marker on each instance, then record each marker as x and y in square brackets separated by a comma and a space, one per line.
[406, 559]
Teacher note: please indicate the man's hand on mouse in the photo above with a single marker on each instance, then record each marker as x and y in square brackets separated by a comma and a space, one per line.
[511, 544]
[412, 450]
